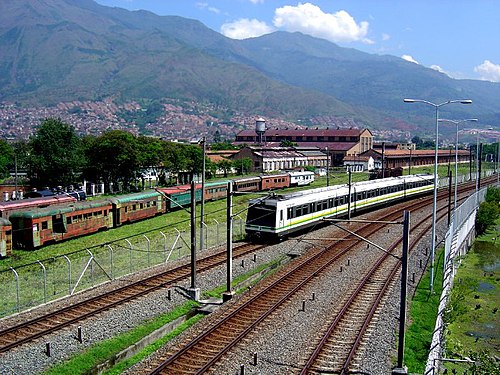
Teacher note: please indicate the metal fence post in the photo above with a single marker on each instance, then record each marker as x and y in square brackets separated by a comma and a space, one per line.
[16, 276]
[111, 259]
[149, 247]
[130, 257]
[44, 281]
[216, 232]
[69, 273]
[164, 245]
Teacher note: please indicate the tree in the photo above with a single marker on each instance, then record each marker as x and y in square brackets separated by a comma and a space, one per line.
[488, 211]
[287, 143]
[113, 157]
[226, 145]
[56, 155]
[225, 165]
[6, 158]
[242, 166]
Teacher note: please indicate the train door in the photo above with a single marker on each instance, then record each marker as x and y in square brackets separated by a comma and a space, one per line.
[281, 218]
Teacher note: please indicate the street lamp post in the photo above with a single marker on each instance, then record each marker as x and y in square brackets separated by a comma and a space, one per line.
[457, 122]
[434, 205]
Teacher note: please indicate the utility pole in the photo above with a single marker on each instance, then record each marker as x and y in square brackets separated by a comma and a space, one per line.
[194, 292]
[228, 294]
[202, 206]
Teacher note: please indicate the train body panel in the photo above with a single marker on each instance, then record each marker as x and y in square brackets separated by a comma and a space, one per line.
[247, 184]
[5, 238]
[134, 207]
[279, 181]
[216, 190]
[278, 216]
[32, 229]
[301, 178]
[177, 197]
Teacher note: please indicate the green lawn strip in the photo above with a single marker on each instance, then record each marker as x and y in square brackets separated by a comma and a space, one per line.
[129, 362]
[272, 266]
[472, 317]
[422, 316]
[82, 363]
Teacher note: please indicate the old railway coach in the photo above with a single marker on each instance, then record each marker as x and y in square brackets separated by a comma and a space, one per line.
[279, 215]
[32, 229]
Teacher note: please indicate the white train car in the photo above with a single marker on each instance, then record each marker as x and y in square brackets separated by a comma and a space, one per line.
[279, 215]
[301, 178]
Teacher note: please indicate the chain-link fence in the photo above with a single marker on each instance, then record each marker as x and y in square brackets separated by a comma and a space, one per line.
[458, 240]
[32, 284]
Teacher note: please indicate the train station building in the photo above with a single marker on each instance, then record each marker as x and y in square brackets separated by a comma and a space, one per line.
[335, 142]
[269, 158]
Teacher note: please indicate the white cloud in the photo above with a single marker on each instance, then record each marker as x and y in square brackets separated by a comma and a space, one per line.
[385, 37]
[409, 59]
[310, 19]
[245, 28]
[256, 1]
[438, 68]
[488, 71]
[208, 7]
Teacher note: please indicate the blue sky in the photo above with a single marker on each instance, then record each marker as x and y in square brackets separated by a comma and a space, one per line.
[458, 37]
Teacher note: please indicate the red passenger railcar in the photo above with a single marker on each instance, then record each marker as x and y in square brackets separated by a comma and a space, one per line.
[133, 207]
[247, 184]
[277, 181]
[32, 229]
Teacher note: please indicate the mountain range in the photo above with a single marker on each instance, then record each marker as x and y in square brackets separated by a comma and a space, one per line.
[61, 50]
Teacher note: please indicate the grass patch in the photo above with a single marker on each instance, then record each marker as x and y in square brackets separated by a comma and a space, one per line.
[129, 362]
[472, 318]
[217, 292]
[422, 313]
[84, 362]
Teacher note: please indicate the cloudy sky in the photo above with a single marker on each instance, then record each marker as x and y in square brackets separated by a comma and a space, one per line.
[458, 37]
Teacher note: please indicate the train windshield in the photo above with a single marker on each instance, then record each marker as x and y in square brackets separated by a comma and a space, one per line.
[261, 215]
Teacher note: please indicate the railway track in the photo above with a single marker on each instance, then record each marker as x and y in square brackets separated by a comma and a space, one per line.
[17, 335]
[203, 351]
[331, 354]
[30, 330]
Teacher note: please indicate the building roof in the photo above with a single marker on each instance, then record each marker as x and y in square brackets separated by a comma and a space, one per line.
[413, 153]
[297, 132]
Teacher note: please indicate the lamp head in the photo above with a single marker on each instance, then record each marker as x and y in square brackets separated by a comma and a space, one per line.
[466, 101]
[409, 100]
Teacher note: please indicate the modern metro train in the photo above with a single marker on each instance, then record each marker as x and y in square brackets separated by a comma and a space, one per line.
[277, 216]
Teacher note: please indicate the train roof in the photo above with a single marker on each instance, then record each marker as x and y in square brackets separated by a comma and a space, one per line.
[134, 197]
[35, 202]
[344, 189]
[60, 209]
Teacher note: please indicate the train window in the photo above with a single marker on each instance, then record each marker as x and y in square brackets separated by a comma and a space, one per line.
[325, 205]
[68, 220]
[281, 215]
[126, 208]
[330, 203]
[45, 225]
[141, 206]
[305, 209]
[289, 213]
[134, 207]
[105, 212]
[35, 227]
[298, 211]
